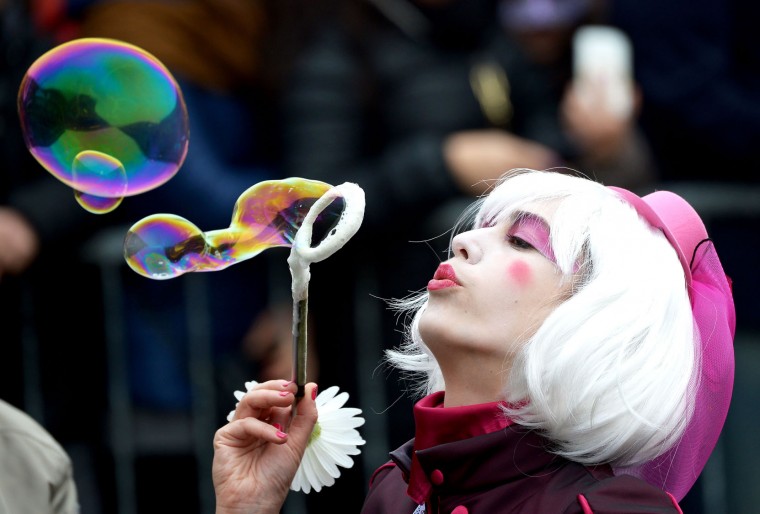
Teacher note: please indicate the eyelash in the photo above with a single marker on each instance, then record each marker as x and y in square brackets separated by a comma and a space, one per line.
[519, 242]
[512, 239]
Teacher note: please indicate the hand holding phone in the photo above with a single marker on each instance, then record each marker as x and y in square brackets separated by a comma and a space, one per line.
[603, 69]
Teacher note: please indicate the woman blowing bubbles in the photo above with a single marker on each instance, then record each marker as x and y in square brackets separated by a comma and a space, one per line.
[576, 356]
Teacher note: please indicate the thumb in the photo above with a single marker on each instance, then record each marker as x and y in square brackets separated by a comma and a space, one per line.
[302, 424]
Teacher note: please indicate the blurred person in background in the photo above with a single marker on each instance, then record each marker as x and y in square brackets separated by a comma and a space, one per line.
[609, 143]
[36, 473]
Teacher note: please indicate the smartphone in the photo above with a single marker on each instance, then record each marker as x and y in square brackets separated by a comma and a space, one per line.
[603, 68]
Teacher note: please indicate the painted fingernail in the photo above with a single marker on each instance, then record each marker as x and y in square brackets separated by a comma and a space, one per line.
[281, 435]
[277, 426]
[314, 393]
[284, 393]
[286, 383]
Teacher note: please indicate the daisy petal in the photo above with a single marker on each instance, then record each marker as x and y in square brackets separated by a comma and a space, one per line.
[332, 442]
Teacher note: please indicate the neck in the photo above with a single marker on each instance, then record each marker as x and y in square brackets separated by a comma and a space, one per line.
[470, 380]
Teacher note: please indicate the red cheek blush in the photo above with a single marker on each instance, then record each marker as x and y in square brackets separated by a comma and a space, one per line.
[520, 273]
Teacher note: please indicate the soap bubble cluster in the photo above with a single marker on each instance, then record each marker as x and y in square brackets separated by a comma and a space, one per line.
[266, 215]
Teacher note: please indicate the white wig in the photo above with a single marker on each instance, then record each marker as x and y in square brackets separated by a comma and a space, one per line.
[607, 377]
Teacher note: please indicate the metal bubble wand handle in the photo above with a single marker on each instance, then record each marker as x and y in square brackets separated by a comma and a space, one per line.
[302, 254]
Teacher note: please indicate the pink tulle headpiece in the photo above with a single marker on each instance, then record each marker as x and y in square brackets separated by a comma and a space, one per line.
[715, 320]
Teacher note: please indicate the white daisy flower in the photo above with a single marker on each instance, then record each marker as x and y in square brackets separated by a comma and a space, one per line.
[332, 441]
[239, 396]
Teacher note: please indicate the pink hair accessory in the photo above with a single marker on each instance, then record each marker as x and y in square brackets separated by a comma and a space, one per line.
[712, 306]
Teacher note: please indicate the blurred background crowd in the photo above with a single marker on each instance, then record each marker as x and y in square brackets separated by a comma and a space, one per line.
[423, 103]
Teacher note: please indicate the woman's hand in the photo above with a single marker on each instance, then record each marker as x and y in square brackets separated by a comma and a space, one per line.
[19, 244]
[257, 454]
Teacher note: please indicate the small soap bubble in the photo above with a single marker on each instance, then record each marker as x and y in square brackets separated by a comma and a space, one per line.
[266, 215]
[104, 117]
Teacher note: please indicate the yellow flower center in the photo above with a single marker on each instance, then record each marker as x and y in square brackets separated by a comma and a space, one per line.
[315, 434]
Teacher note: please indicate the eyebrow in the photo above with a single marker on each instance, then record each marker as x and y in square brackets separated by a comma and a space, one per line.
[527, 215]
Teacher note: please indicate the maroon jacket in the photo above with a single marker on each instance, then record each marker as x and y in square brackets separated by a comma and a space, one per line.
[509, 471]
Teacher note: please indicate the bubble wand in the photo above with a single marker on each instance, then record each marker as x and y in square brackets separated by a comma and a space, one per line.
[302, 254]
[270, 214]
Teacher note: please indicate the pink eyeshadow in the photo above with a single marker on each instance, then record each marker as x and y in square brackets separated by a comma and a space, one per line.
[534, 231]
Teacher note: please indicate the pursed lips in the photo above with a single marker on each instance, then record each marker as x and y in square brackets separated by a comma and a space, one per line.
[444, 277]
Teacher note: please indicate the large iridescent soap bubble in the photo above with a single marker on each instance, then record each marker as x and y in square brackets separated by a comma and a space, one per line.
[266, 215]
[104, 117]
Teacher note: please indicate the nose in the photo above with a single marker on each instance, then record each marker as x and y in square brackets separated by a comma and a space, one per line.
[466, 246]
